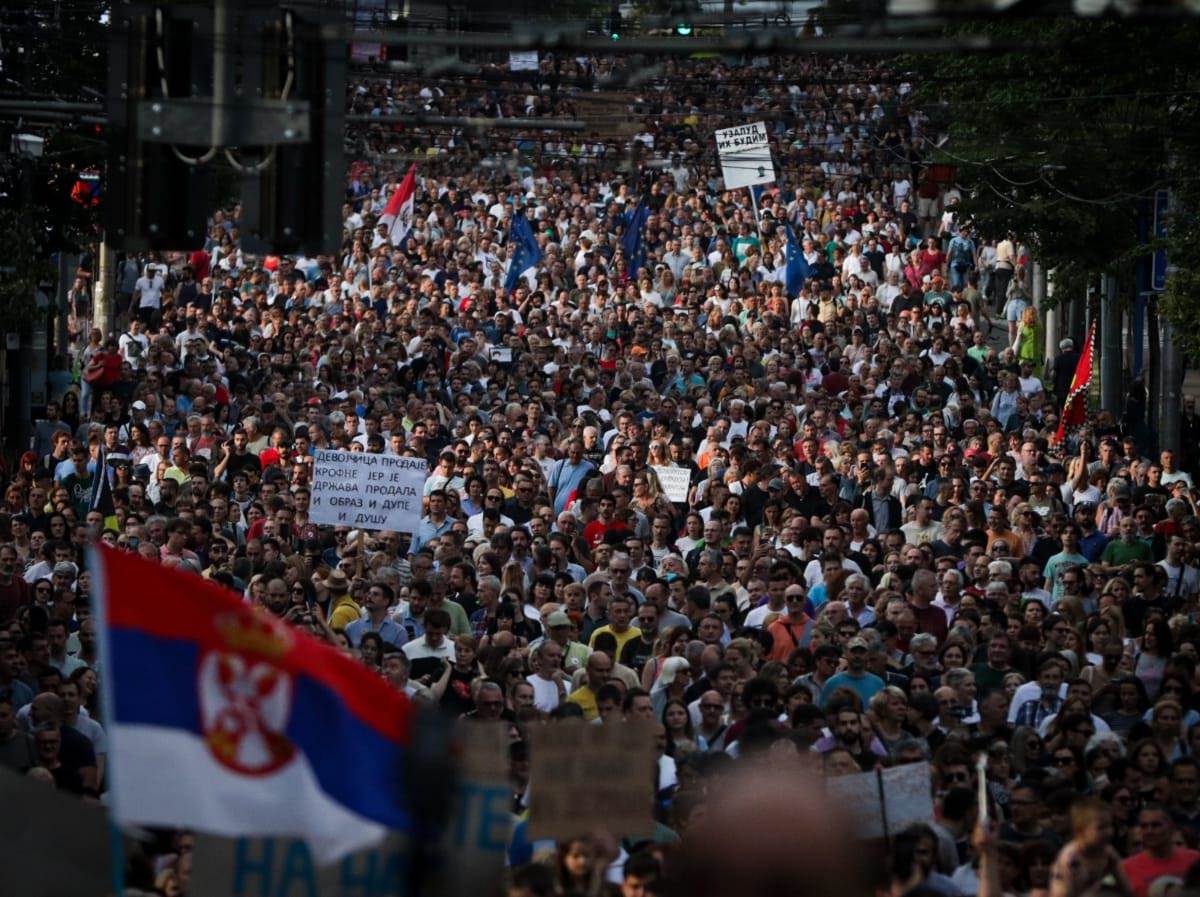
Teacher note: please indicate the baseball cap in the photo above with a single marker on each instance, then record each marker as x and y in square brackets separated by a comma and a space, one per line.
[857, 642]
[557, 619]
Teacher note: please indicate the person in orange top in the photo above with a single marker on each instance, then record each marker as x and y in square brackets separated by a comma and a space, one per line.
[793, 629]
[1159, 854]
[998, 531]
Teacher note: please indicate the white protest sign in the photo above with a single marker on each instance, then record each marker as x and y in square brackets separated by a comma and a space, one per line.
[675, 482]
[878, 805]
[378, 492]
[473, 847]
[523, 61]
[745, 155]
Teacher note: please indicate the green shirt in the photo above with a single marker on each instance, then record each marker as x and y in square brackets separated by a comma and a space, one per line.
[80, 489]
[1117, 553]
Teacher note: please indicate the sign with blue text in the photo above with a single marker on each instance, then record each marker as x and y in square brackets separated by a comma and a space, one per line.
[470, 858]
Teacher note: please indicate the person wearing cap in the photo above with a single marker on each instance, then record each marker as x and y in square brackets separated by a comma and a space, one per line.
[560, 627]
[855, 676]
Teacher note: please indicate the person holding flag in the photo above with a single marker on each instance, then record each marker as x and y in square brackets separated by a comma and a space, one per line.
[102, 497]
[632, 240]
[397, 216]
[798, 269]
[526, 251]
[1075, 408]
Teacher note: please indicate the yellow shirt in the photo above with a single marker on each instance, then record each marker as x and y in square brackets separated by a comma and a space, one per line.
[586, 699]
[343, 612]
[606, 644]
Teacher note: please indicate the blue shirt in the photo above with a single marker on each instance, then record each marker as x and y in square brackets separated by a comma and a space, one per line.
[564, 479]
[390, 632]
[427, 531]
[1092, 545]
[865, 686]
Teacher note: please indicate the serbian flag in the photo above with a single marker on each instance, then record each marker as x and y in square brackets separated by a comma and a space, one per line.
[227, 720]
[398, 214]
[1075, 408]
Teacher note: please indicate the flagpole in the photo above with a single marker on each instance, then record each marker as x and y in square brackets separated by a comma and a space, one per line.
[757, 222]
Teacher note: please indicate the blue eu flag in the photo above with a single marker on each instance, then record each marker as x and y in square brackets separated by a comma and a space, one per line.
[798, 269]
[631, 240]
[528, 254]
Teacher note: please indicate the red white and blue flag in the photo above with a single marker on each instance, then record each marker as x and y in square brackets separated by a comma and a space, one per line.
[226, 720]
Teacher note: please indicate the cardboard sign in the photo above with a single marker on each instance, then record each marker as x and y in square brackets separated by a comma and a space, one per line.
[472, 850]
[674, 481]
[880, 804]
[745, 155]
[588, 777]
[373, 492]
[55, 843]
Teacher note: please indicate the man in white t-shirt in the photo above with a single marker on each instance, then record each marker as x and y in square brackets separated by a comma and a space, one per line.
[134, 344]
[549, 684]
[147, 293]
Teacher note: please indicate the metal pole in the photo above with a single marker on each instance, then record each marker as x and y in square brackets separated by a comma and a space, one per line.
[222, 74]
[758, 223]
[1171, 389]
[102, 307]
[66, 279]
[1051, 322]
[1111, 387]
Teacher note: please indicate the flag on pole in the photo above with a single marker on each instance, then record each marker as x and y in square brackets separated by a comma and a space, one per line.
[528, 254]
[226, 720]
[798, 269]
[102, 497]
[1075, 409]
[398, 214]
[632, 242]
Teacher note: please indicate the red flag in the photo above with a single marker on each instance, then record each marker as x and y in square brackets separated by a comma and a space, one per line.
[1075, 409]
[399, 212]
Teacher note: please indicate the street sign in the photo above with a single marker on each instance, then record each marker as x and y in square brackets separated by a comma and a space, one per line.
[745, 155]
[1158, 265]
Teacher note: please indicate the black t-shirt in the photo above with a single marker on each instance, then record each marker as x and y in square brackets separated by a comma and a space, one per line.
[457, 696]
[77, 751]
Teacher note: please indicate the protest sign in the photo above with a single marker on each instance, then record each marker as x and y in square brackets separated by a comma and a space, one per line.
[745, 155]
[880, 804]
[470, 862]
[674, 481]
[378, 492]
[592, 777]
[522, 60]
[57, 843]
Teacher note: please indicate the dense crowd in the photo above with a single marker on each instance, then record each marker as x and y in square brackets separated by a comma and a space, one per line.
[881, 556]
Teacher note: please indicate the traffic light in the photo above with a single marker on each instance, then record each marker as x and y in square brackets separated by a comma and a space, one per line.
[614, 20]
[682, 12]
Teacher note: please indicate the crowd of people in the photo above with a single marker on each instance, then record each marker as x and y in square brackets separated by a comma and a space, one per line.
[825, 524]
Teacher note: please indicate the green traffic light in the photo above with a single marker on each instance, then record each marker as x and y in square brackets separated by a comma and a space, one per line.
[683, 29]
[615, 36]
